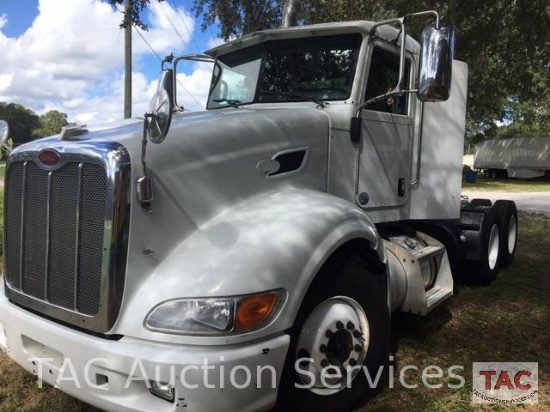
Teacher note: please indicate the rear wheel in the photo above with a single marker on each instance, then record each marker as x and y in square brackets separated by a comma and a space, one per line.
[342, 325]
[484, 270]
[508, 214]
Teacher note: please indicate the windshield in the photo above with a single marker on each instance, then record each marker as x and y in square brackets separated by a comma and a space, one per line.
[315, 69]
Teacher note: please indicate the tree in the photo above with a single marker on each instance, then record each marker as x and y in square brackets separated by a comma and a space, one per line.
[51, 123]
[238, 17]
[505, 42]
[135, 16]
[22, 121]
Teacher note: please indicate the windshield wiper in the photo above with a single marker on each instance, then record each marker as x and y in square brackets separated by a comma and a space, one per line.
[299, 96]
[230, 102]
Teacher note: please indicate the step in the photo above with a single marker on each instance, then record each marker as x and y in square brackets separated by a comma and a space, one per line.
[437, 295]
[429, 252]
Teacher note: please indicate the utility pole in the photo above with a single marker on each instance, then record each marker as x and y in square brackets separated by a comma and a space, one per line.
[128, 59]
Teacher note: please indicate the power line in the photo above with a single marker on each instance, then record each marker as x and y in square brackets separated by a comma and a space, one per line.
[147, 43]
[165, 13]
[202, 65]
[184, 24]
[160, 59]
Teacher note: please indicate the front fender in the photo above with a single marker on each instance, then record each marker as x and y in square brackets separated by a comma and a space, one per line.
[278, 240]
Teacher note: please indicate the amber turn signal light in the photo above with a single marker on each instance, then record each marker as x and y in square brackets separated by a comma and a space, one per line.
[254, 310]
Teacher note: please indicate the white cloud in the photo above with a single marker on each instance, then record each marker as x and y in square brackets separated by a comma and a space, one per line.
[5, 81]
[171, 30]
[193, 88]
[215, 41]
[3, 20]
[71, 59]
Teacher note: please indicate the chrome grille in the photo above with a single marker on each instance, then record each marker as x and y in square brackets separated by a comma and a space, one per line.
[55, 223]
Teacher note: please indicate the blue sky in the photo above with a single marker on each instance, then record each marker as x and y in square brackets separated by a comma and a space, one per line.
[68, 55]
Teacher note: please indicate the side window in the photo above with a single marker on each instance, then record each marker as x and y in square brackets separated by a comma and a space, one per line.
[383, 77]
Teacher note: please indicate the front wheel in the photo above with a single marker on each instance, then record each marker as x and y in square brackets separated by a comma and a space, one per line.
[339, 341]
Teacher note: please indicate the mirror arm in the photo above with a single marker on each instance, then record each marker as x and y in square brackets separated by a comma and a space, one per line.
[201, 57]
[146, 118]
[168, 59]
[144, 185]
[176, 108]
[397, 90]
[426, 13]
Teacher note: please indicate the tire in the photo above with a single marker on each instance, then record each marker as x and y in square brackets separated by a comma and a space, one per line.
[480, 202]
[502, 173]
[483, 271]
[508, 215]
[344, 305]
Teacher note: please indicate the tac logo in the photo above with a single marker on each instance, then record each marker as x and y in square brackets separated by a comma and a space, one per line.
[505, 382]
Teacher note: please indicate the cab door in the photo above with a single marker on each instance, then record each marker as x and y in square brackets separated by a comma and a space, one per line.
[384, 166]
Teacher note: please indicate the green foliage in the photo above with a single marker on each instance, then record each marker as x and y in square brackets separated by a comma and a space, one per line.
[238, 17]
[51, 123]
[22, 121]
[25, 125]
[137, 6]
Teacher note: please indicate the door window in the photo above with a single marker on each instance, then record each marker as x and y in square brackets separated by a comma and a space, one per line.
[383, 77]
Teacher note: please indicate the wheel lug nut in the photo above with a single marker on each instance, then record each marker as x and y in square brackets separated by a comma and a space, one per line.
[339, 325]
[324, 363]
[350, 325]
[352, 362]
[358, 348]
[357, 334]
[323, 348]
[328, 333]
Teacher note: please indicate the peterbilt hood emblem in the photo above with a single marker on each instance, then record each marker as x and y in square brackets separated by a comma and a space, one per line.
[49, 157]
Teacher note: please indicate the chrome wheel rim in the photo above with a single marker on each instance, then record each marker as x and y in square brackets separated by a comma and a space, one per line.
[332, 346]
[512, 234]
[493, 247]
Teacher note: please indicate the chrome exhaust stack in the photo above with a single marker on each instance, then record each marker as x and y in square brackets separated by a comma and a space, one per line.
[290, 10]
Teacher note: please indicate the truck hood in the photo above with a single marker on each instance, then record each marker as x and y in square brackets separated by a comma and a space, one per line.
[208, 165]
[208, 162]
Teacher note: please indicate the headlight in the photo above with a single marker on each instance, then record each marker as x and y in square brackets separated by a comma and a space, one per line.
[216, 315]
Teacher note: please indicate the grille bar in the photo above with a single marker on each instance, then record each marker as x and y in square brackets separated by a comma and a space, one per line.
[22, 227]
[77, 231]
[48, 251]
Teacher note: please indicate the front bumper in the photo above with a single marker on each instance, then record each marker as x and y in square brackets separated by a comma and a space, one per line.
[116, 375]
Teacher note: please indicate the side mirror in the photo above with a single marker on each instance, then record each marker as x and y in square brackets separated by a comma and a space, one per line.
[4, 133]
[160, 108]
[436, 62]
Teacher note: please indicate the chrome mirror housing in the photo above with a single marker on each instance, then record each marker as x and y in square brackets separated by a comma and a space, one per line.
[436, 62]
[160, 108]
[4, 133]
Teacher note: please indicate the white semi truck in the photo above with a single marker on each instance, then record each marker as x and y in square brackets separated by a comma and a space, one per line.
[519, 157]
[250, 255]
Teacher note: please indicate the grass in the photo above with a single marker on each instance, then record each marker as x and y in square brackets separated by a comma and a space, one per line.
[508, 185]
[507, 321]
